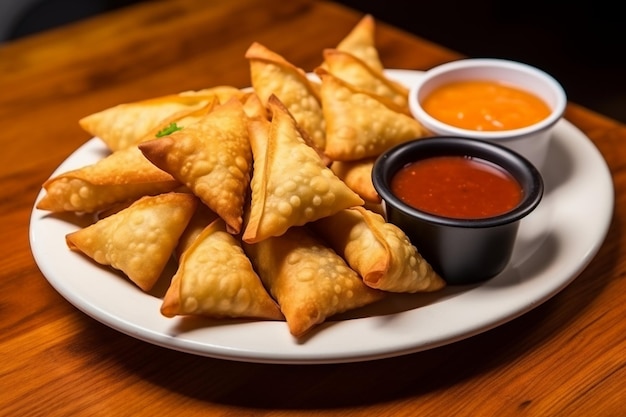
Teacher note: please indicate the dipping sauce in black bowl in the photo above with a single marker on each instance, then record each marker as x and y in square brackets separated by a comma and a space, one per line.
[463, 204]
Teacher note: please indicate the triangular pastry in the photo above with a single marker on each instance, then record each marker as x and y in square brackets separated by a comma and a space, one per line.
[359, 124]
[216, 279]
[360, 42]
[309, 281]
[272, 74]
[127, 124]
[379, 251]
[254, 107]
[358, 176]
[178, 121]
[122, 176]
[138, 240]
[354, 71]
[214, 96]
[291, 185]
[202, 217]
[212, 157]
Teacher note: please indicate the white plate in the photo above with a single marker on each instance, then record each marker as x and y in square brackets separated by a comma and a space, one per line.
[555, 244]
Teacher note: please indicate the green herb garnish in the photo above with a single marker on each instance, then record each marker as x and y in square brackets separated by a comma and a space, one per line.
[168, 130]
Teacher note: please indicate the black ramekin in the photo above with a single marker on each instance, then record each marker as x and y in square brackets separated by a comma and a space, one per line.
[462, 251]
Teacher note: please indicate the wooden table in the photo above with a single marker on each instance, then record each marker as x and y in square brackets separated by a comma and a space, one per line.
[566, 357]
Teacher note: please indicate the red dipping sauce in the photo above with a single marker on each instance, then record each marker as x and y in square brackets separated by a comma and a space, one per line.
[457, 187]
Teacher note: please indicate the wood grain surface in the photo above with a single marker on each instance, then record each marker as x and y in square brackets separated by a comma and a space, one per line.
[566, 357]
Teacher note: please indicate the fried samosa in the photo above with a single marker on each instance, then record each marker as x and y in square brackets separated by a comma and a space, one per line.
[358, 176]
[379, 251]
[216, 279]
[272, 74]
[360, 42]
[140, 239]
[212, 157]
[359, 124]
[178, 121]
[254, 107]
[202, 217]
[309, 281]
[291, 185]
[354, 71]
[127, 124]
[122, 176]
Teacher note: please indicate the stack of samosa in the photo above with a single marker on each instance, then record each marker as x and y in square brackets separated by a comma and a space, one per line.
[262, 196]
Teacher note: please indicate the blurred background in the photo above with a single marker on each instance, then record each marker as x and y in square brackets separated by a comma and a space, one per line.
[582, 43]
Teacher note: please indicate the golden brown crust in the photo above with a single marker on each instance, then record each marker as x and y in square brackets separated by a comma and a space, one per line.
[216, 279]
[212, 157]
[360, 42]
[379, 251]
[356, 72]
[309, 281]
[127, 124]
[271, 74]
[358, 176]
[291, 185]
[138, 240]
[351, 131]
[202, 217]
[122, 176]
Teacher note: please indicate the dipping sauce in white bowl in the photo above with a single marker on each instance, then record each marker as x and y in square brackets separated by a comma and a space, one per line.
[507, 102]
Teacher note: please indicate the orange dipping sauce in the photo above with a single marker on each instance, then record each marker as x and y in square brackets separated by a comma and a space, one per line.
[485, 106]
[457, 187]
